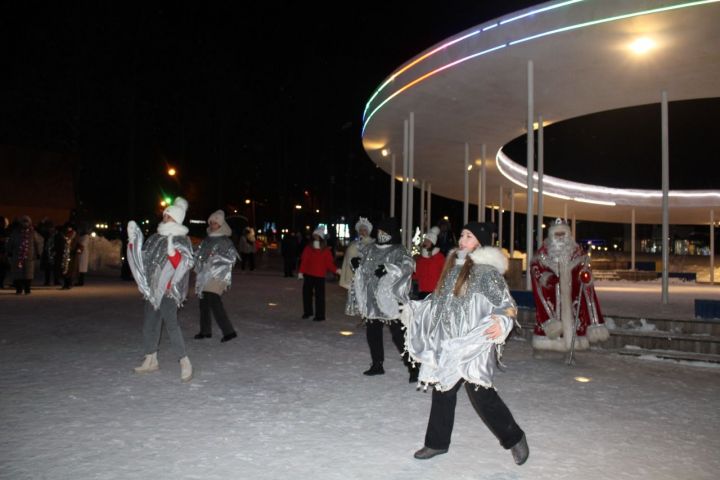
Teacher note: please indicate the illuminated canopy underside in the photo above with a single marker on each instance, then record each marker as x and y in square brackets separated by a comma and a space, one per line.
[473, 88]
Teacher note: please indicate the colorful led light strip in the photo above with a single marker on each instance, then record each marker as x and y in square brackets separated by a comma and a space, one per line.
[429, 74]
[413, 63]
[366, 120]
[453, 42]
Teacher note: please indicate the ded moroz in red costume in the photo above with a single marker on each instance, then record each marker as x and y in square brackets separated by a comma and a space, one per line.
[565, 299]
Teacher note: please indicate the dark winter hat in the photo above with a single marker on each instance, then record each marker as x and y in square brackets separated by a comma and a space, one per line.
[389, 226]
[482, 231]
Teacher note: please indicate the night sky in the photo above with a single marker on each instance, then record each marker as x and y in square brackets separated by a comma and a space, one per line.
[245, 101]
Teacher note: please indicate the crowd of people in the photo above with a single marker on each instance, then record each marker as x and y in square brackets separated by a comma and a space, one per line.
[448, 308]
[60, 252]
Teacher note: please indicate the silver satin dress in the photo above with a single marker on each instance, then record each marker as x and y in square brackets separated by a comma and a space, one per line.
[153, 271]
[375, 298]
[446, 334]
[214, 258]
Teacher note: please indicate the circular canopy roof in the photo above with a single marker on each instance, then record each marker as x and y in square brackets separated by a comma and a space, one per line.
[588, 56]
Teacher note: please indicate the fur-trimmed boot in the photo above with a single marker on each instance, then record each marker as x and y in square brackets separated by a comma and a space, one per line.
[150, 364]
[186, 371]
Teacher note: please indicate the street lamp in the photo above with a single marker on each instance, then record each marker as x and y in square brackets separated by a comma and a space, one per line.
[171, 171]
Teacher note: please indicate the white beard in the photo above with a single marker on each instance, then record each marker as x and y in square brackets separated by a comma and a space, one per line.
[561, 251]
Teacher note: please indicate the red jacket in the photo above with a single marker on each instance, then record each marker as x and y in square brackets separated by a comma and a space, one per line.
[428, 270]
[315, 262]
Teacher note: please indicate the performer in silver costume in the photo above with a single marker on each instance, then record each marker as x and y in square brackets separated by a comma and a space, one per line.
[456, 334]
[214, 260]
[161, 267]
[381, 284]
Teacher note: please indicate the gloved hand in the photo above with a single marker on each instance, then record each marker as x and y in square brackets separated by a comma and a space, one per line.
[355, 263]
[380, 271]
[300, 276]
[338, 272]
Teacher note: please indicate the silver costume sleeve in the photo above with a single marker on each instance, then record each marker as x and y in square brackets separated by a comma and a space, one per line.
[135, 259]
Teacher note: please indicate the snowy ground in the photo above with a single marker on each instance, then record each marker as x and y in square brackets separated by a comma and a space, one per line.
[287, 399]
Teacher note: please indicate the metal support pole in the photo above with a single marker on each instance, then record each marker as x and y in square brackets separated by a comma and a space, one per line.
[632, 240]
[530, 170]
[466, 183]
[665, 198]
[512, 221]
[422, 207]
[565, 213]
[429, 204]
[411, 185]
[574, 226]
[480, 193]
[541, 167]
[712, 247]
[392, 187]
[483, 177]
[500, 220]
[403, 218]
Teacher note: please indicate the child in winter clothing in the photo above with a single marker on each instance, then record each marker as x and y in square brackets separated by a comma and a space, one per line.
[457, 334]
[315, 261]
[214, 262]
[429, 264]
[161, 268]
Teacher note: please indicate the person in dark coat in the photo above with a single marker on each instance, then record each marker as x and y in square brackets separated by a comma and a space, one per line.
[289, 250]
[23, 248]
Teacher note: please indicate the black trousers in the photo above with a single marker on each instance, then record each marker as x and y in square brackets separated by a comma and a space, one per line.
[211, 306]
[314, 285]
[488, 405]
[247, 259]
[374, 335]
[22, 285]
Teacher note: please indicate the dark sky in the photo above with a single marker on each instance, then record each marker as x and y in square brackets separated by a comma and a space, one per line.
[259, 101]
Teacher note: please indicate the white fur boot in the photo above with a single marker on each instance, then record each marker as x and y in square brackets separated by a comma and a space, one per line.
[150, 364]
[186, 371]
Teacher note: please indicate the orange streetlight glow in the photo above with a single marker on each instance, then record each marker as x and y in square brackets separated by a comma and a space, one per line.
[171, 171]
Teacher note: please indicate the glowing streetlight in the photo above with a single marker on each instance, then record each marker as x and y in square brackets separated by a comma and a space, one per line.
[642, 45]
[298, 207]
[247, 201]
[163, 203]
[171, 171]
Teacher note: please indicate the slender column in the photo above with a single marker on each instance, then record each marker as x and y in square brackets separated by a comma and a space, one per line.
[541, 166]
[632, 240]
[403, 218]
[411, 185]
[574, 226]
[480, 192]
[422, 207]
[530, 170]
[665, 198]
[483, 176]
[512, 221]
[712, 247]
[565, 212]
[500, 220]
[466, 183]
[492, 214]
[392, 187]
[429, 205]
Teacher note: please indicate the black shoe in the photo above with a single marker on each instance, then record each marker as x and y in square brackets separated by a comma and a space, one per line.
[520, 451]
[228, 337]
[318, 319]
[426, 453]
[201, 335]
[414, 371]
[306, 316]
[375, 369]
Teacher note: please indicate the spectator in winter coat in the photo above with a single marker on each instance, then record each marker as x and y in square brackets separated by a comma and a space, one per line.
[315, 261]
[247, 249]
[446, 238]
[289, 250]
[23, 248]
[83, 258]
[429, 264]
[69, 259]
[161, 267]
[214, 262]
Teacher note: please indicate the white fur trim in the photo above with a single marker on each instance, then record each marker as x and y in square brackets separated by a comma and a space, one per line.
[171, 228]
[597, 333]
[490, 256]
[553, 328]
[540, 342]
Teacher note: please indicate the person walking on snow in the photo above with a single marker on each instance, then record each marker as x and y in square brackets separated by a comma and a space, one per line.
[214, 262]
[315, 261]
[381, 283]
[457, 335]
[363, 227]
[429, 264]
[161, 267]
